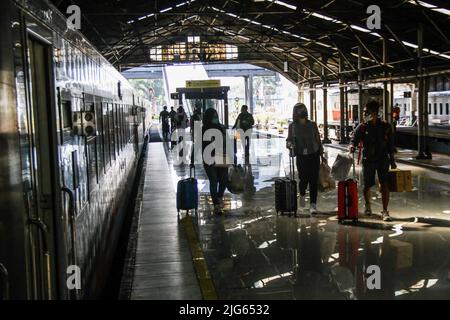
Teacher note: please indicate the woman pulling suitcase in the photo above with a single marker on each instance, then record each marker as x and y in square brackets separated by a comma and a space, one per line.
[304, 141]
[217, 174]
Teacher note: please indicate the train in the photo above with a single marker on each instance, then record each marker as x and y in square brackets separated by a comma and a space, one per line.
[72, 132]
[334, 111]
[438, 109]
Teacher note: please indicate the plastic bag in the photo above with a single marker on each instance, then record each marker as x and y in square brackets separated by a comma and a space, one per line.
[341, 166]
[236, 179]
[325, 180]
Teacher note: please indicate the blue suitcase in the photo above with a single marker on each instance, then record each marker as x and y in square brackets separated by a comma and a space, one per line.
[187, 193]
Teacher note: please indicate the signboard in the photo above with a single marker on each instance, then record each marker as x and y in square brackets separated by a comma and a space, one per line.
[174, 96]
[202, 83]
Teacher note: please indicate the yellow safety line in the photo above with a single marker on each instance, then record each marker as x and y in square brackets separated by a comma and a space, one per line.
[204, 277]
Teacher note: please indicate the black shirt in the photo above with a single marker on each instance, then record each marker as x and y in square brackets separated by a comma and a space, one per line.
[377, 140]
[164, 116]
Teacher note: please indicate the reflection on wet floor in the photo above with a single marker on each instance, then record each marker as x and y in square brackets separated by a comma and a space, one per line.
[254, 254]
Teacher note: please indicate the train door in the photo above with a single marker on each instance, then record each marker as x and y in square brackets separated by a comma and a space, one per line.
[44, 158]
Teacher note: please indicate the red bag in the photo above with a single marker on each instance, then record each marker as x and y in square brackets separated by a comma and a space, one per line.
[348, 198]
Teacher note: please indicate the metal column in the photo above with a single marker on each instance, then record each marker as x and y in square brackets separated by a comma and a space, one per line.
[387, 106]
[250, 94]
[391, 96]
[342, 103]
[247, 102]
[225, 107]
[312, 101]
[325, 107]
[347, 133]
[425, 109]
[360, 106]
[300, 93]
[422, 113]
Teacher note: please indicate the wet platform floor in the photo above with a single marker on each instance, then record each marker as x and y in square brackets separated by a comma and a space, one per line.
[252, 253]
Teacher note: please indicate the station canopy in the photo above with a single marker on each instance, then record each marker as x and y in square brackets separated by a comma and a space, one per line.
[308, 41]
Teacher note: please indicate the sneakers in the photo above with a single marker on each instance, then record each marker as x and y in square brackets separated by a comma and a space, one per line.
[302, 202]
[385, 215]
[313, 208]
[368, 209]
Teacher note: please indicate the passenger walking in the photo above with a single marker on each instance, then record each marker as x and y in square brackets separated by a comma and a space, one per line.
[217, 174]
[245, 122]
[304, 142]
[164, 119]
[181, 118]
[377, 145]
[196, 116]
[172, 115]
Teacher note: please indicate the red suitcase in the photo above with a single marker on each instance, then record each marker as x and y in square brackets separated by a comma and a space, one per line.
[348, 198]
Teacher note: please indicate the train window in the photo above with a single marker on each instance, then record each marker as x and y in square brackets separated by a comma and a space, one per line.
[122, 125]
[447, 111]
[100, 143]
[66, 110]
[435, 108]
[106, 144]
[92, 163]
[125, 124]
[440, 109]
[117, 126]
[113, 142]
[429, 108]
[122, 137]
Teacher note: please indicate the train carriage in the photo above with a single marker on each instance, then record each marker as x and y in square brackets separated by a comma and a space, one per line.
[71, 133]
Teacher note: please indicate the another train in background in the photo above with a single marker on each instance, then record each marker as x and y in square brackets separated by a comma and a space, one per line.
[438, 109]
[334, 111]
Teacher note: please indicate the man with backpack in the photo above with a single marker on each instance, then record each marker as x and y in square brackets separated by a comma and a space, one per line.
[245, 122]
[164, 119]
[375, 138]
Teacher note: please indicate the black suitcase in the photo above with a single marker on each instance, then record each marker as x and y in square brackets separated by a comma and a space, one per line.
[286, 192]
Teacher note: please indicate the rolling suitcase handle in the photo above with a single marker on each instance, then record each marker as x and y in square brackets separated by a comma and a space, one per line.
[291, 165]
[192, 165]
[353, 166]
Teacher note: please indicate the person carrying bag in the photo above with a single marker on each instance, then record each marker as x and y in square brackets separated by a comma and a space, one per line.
[304, 140]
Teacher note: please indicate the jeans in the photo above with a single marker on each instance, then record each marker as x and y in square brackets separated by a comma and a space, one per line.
[308, 173]
[218, 177]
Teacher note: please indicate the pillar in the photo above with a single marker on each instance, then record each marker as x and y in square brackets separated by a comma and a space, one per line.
[422, 108]
[360, 102]
[342, 139]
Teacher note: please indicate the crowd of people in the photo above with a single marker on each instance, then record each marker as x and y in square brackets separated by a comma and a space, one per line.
[373, 137]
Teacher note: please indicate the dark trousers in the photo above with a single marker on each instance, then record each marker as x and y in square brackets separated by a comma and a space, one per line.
[165, 130]
[308, 173]
[246, 143]
[218, 177]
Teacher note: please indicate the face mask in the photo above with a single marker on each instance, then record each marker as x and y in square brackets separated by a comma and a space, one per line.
[368, 118]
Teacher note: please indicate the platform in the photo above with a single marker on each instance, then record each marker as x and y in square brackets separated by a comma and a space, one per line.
[163, 263]
[251, 253]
